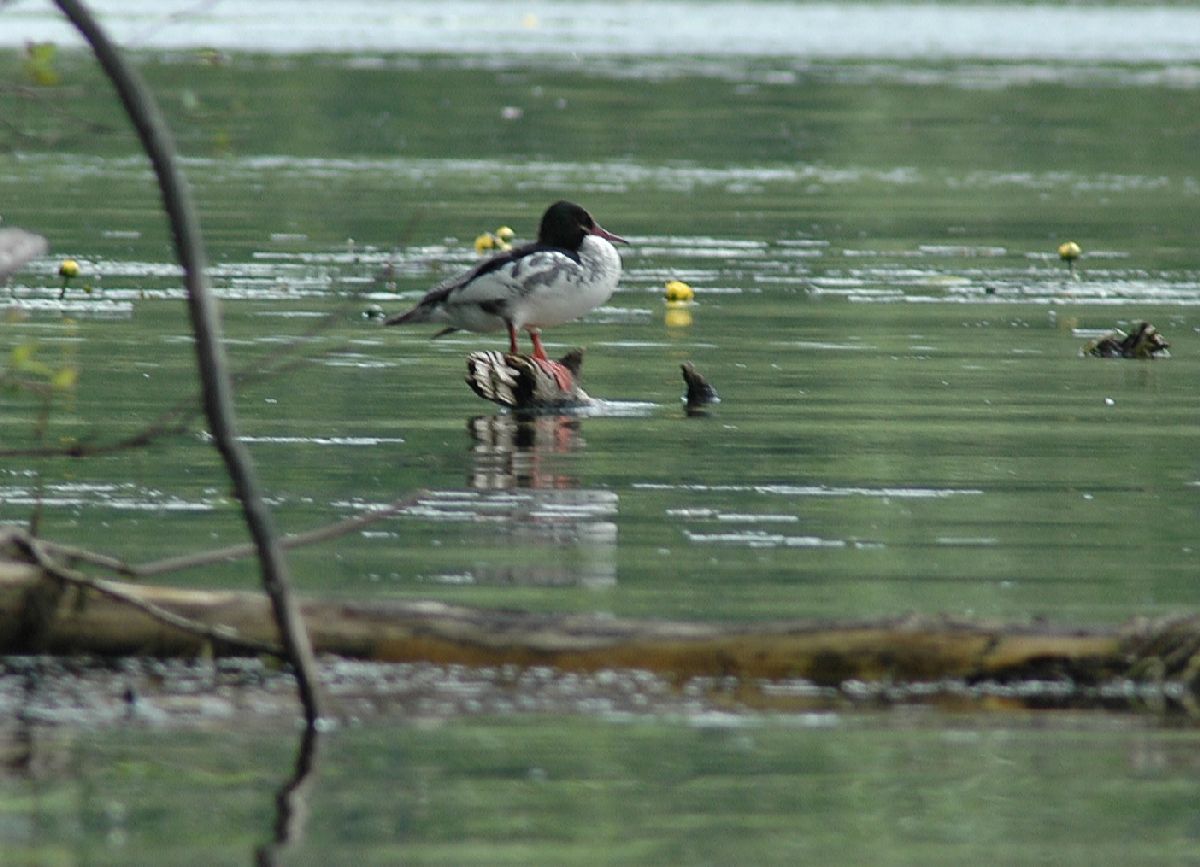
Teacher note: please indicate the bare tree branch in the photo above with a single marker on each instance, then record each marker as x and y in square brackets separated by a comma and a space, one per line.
[165, 425]
[169, 565]
[38, 552]
[294, 540]
[73, 554]
[213, 368]
[177, 420]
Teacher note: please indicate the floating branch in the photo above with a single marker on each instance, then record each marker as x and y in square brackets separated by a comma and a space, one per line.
[908, 649]
[1143, 342]
[699, 392]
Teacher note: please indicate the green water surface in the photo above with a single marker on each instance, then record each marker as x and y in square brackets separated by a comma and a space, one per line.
[906, 425]
[588, 792]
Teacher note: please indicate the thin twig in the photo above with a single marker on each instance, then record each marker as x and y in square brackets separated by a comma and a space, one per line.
[83, 555]
[162, 427]
[177, 420]
[169, 565]
[293, 540]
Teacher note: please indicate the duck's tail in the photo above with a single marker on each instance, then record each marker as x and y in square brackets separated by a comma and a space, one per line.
[492, 378]
[420, 313]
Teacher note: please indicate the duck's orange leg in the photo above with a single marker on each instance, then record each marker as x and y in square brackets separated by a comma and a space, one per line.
[561, 375]
[539, 351]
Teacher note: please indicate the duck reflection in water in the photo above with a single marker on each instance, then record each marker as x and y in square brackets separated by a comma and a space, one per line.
[520, 465]
[523, 451]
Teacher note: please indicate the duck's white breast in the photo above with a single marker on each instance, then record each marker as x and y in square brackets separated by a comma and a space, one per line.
[568, 291]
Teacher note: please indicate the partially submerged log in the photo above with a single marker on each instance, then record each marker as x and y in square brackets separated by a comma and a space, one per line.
[700, 392]
[1143, 342]
[76, 620]
[521, 383]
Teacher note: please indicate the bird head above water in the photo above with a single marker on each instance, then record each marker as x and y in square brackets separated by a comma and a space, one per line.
[566, 224]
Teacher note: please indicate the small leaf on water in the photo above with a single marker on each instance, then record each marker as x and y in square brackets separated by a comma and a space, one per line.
[21, 360]
[41, 52]
[39, 63]
[21, 355]
[65, 378]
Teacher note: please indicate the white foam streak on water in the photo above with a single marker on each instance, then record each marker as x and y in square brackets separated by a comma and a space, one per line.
[660, 28]
[922, 273]
[323, 441]
[824, 346]
[838, 491]
[816, 490]
[759, 539]
[546, 175]
[22, 298]
[567, 502]
[124, 496]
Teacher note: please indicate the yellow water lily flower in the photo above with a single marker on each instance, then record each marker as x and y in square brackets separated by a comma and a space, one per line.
[679, 291]
[68, 268]
[1069, 251]
[489, 241]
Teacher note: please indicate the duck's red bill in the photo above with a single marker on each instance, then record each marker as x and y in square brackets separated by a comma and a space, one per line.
[607, 235]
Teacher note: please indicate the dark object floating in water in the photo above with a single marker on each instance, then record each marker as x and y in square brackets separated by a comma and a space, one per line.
[520, 382]
[699, 392]
[1143, 342]
[16, 248]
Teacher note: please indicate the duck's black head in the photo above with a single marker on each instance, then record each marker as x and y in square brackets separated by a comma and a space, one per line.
[566, 224]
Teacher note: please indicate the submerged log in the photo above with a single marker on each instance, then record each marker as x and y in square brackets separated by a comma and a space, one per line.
[1144, 341]
[700, 392]
[908, 649]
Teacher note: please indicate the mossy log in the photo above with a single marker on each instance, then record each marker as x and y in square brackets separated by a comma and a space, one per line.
[700, 393]
[35, 617]
[1144, 341]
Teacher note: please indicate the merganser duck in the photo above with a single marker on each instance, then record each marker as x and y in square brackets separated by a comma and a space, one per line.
[570, 269]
